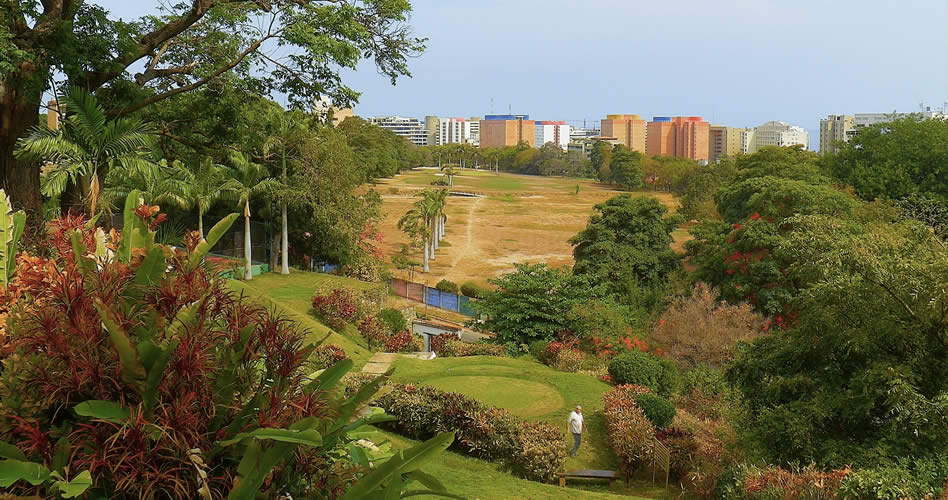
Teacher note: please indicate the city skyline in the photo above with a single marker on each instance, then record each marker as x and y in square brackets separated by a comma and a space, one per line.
[739, 63]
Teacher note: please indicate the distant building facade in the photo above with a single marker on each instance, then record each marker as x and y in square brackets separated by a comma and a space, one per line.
[409, 128]
[585, 147]
[582, 133]
[497, 131]
[556, 132]
[433, 127]
[727, 141]
[333, 115]
[837, 129]
[681, 136]
[777, 133]
[630, 130]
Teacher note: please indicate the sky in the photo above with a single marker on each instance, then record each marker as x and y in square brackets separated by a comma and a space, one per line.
[735, 62]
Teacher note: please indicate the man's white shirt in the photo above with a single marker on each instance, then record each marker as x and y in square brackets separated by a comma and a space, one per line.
[575, 422]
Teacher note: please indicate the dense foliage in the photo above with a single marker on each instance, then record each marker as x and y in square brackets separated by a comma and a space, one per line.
[449, 345]
[135, 370]
[528, 303]
[658, 410]
[533, 450]
[626, 244]
[628, 430]
[646, 370]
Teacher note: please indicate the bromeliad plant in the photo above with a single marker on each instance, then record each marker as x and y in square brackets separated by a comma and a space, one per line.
[137, 373]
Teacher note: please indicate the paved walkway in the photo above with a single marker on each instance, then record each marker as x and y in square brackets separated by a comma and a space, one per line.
[380, 362]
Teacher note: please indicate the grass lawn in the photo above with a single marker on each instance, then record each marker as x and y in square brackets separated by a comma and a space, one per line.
[476, 479]
[534, 392]
[293, 294]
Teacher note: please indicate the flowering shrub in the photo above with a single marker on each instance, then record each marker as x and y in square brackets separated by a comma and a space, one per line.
[325, 356]
[659, 375]
[552, 350]
[403, 341]
[609, 348]
[374, 332]
[569, 360]
[534, 450]
[338, 307]
[628, 431]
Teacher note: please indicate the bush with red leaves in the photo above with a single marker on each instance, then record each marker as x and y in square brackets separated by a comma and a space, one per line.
[223, 351]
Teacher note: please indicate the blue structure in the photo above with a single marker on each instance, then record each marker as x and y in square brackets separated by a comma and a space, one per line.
[506, 117]
[661, 119]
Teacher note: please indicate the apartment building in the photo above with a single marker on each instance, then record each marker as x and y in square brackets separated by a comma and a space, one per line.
[507, 130]
[777, 133]
[727, 141]
[630, 130]
[556, 132]
[410, 128]
[835, 129]
[681, 136]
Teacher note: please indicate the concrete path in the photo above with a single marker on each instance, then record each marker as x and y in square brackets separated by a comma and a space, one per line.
[380, 362]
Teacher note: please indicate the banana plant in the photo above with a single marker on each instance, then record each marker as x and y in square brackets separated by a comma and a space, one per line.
[11, 228]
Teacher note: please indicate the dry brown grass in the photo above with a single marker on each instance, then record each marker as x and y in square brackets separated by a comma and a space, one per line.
[518, 218]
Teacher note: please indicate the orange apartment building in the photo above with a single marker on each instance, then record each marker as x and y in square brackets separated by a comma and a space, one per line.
[497, 131]
[681, 136]
[629, 130]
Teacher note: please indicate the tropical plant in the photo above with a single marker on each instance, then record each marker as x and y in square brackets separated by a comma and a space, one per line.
[251, 181]
[419, 224]
[159, 375]
[85, 148]
[158, 183]
[205, 185]
[11, 228]
[289, 132]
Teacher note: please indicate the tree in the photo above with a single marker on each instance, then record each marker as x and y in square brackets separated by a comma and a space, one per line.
[896, 159]
[85, 148]
[530, 303]
[863, 376]
[189, 45]
[206, 184]
[251, 181]
[601, 158]
[424, 222]
[158, 184]
[290, 129]
[327, 215]
[626, 244]
[626, 168]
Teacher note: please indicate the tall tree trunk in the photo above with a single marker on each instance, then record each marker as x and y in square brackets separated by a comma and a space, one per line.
[284, 236]
[248, 273]
[201, 224]
[19, 110]
[425, 259]
[274, 251]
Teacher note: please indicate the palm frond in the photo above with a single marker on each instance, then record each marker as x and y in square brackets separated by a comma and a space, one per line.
[84, 116]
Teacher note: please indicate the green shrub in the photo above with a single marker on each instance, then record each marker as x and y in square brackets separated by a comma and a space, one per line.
[534, 450]
[473, 290]
[450, 346]
[537, 348]
[447, 286]
[640, 368]
[393, 319]
[923, 478]
[705, 379]
[657, 409]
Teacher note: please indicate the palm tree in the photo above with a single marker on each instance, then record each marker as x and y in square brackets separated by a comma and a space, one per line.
[449, 171]
[204, 186]
[83, 150]
[157, 183]
[420, 221]
[289, 128]
[439, 200]
[251, 179]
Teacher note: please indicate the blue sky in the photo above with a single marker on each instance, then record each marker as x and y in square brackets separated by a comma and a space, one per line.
[735, 62]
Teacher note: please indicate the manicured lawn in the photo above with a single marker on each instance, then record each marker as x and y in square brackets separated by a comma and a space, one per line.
[476, 479]
[534, 392]
[293, 293]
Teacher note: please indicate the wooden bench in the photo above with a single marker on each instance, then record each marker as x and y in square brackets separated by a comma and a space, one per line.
[611, 475]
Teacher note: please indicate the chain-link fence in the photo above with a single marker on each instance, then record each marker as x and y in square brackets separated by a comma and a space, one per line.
[231, 244]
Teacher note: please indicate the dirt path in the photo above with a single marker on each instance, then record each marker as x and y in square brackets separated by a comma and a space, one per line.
[469, 242]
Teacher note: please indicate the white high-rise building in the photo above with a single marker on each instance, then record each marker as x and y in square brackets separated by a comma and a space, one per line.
[835, 128]
[778, 133]
[548, 131]
[410, 128]
[459, 131]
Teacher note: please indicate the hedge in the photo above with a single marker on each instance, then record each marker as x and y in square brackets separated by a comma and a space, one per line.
[473, 290]
[447, 286]
[533, 450]
[450, 345]
[657, 409]
[628, 431]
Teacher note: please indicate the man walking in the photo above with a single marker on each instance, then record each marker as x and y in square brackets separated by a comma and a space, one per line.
[575, 425]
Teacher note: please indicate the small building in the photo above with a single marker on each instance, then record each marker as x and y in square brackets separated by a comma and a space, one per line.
[429, 330]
